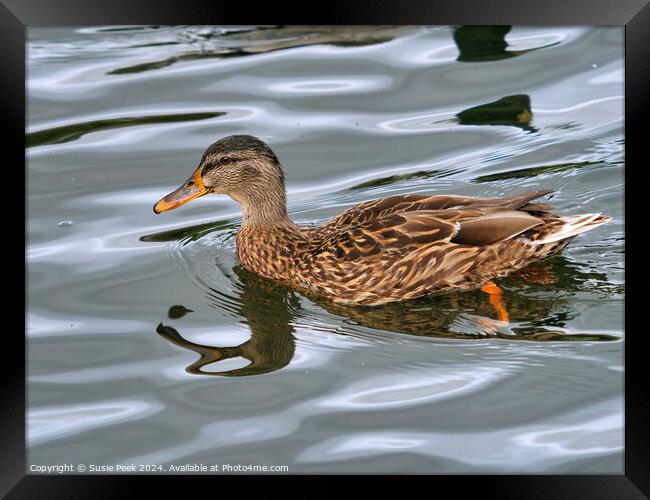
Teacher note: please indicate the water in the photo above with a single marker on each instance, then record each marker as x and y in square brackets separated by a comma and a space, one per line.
[149, 344]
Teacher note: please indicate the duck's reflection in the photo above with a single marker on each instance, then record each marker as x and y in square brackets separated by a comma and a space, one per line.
[270, 310]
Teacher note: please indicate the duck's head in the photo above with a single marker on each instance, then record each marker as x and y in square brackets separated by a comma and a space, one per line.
[241, 166]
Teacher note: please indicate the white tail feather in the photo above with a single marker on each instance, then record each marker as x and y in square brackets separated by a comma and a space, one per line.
[574, 225]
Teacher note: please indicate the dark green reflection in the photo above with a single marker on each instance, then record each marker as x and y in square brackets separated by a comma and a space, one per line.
[393, 179]
[72, 132]
[190, 233]
[482, 43]
[534, 171]
[511, 110]
[486, 43]
[124, 29]
[271, 309]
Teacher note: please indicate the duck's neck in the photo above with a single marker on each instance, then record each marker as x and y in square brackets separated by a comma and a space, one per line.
[265, 236]
[267, 209]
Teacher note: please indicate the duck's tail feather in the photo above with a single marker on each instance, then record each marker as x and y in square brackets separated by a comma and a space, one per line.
[572, 225]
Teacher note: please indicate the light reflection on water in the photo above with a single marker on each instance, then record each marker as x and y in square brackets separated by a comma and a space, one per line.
[148, 343]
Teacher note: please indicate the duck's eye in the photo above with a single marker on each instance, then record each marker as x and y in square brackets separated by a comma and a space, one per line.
[224, 160]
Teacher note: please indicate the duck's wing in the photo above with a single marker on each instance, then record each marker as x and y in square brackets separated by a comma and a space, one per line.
[397, 234]
[495, 225]
[378, 209]
[401, 232]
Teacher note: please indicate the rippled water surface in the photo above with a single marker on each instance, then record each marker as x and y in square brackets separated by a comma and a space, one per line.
[149, 344]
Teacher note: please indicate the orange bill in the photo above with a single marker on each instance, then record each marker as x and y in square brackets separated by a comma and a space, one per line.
[193, 188]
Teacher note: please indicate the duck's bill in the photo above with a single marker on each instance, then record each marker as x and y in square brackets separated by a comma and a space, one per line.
[192, 189]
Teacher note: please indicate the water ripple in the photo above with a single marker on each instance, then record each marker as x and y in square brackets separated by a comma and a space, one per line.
[45, 424]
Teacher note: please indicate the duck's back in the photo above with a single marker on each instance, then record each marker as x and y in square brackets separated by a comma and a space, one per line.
[377, 209]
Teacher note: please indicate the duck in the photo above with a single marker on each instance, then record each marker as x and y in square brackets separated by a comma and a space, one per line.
[380, 251]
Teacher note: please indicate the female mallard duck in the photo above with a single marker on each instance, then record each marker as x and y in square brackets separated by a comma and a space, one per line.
[380, 251]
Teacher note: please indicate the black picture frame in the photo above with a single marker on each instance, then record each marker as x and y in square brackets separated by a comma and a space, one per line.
[16, 15]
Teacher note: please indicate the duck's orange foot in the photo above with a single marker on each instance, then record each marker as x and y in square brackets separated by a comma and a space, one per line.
[496, 299]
